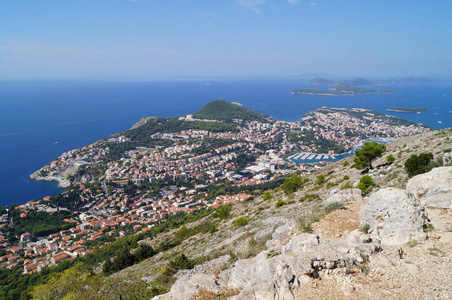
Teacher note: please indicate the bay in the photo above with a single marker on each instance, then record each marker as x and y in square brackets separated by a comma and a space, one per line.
[39, 120]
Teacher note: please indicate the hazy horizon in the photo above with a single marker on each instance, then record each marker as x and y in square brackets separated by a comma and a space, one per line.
[52, 39]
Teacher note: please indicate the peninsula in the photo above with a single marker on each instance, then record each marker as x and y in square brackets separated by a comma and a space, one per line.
[134, 188]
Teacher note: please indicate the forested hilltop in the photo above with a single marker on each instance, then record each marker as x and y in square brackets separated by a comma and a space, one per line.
[227, 111]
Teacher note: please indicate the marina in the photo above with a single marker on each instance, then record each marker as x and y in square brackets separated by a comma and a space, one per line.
[307, 157]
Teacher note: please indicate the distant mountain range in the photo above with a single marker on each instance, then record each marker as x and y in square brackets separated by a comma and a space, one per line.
[360, 81]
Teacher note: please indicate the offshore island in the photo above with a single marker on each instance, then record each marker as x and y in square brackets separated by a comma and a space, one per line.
[407, 109]
[341, 88]
[353, 87]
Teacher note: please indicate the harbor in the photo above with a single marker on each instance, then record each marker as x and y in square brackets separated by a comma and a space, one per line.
[307, 157]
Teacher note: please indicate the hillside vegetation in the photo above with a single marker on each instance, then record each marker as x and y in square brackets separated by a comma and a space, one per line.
[212, 244]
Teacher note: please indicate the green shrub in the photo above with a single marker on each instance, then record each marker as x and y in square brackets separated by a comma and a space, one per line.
[368, 152]
[144, 251]
[333, 206]
[346, 177]
[213, 229]
[242, 221]
[419, 164]
[320, 179]
[293, 183]
[267, 195]
[365, 184]
[183, 233]
[181, 262]
[390, 158]
[223, 212]
[280, 203]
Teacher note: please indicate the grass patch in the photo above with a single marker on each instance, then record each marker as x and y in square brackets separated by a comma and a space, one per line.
[364, 266]
[366, 228]
[309, 197]
[204, 294]
[411, 244]
[305, 222]
[435, 251]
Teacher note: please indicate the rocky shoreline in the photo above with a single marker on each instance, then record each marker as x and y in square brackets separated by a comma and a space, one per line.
[62, 183]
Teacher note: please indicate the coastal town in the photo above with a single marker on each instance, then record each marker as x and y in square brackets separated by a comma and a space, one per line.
[108, 197]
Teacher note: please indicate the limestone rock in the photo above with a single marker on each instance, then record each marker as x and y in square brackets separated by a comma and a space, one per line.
[282, 234]
[433, 189]
[188, 287]
[345, 196]
[282, 276]
[394, 216]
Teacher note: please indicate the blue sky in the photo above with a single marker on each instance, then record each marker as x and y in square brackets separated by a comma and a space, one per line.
[121, 38]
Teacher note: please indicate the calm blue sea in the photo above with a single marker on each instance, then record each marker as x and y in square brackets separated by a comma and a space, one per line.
[41, 119]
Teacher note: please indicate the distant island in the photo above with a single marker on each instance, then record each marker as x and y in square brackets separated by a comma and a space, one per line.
[341, 89]
[407, 109]
[353, 87]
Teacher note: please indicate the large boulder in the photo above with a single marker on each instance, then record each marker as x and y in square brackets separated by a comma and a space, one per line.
[433, 189]
[188, 287]
[281, 274]
[263, 278]
[394, 216]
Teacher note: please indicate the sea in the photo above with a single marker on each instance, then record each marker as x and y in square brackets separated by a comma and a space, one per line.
[41, 119]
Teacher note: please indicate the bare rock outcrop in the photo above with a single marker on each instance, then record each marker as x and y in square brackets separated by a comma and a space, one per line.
[279, 273]
[283, 275]
[433, 189]
[394, 216]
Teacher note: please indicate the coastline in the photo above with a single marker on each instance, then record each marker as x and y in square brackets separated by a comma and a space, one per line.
[62, 183]
[27, 148]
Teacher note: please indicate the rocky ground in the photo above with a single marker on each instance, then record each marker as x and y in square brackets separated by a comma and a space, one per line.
[422, 271]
